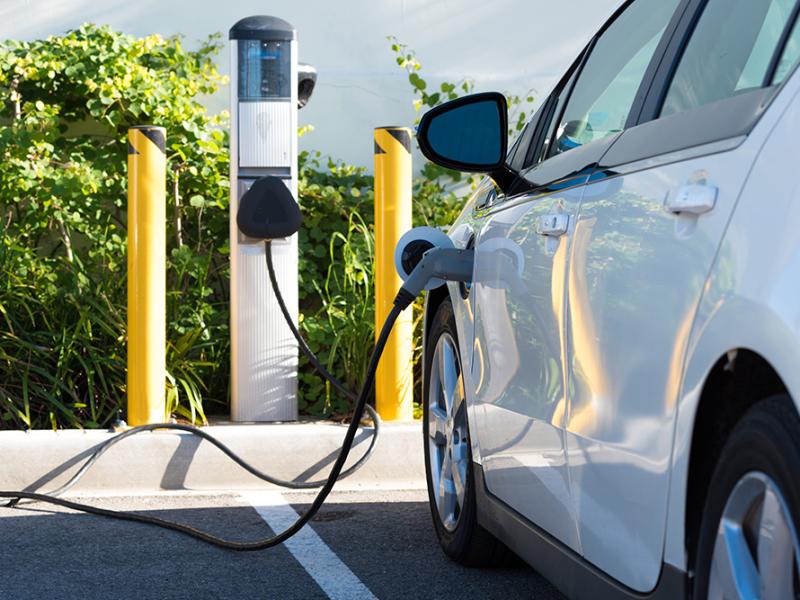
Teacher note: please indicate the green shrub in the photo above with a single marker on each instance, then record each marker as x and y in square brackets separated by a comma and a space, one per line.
[335, 269]
[65, 106]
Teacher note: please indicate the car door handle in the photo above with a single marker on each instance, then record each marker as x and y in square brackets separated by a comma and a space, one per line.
[553, 225]
[693, 198]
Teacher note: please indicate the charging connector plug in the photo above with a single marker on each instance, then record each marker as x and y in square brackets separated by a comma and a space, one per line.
[448, 264]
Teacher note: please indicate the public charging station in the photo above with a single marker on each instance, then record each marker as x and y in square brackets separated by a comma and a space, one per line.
[267, 89]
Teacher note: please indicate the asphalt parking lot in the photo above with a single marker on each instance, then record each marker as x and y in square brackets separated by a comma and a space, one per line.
[362, 544]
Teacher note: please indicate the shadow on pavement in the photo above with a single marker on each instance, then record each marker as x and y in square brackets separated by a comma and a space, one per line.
[389, 545]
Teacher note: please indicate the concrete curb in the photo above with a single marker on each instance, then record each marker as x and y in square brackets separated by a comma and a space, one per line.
[170, 460]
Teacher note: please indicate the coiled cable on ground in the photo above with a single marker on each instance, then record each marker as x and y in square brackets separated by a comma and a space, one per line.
[327, 484]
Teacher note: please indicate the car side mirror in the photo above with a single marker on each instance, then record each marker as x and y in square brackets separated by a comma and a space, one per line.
[469, 134]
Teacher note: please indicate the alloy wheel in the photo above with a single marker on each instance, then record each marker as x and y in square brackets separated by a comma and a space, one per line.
[756, 548]
[448, 437]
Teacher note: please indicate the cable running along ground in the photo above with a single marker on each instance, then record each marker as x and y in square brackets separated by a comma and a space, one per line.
[327, 484]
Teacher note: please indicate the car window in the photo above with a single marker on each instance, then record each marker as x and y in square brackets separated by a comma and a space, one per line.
[729, 52]
[552, 126]
[518, 152]
[606, 88]
[790, 55]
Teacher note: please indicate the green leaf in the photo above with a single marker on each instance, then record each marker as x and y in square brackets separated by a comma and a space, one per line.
[416, 81]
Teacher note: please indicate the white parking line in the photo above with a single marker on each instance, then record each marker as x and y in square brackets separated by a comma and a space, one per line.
[330, 573]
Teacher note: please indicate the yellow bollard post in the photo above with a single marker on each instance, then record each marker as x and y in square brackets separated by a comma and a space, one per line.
[394, 380]
[147, 249]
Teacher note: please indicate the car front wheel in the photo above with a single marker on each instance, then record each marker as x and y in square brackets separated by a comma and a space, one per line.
[448, 456]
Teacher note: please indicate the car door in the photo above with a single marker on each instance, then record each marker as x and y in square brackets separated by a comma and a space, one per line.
[647, 231]
[520, 288]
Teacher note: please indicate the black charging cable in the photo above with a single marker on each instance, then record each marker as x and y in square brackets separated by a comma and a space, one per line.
[319, 499]
[336, 472]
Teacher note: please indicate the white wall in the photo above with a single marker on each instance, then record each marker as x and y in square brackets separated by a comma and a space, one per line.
[506, 45]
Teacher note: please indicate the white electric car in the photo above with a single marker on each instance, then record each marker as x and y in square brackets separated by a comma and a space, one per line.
[614, 396]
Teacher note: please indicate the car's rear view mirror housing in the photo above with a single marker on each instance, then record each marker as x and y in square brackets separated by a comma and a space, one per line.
[468, 134]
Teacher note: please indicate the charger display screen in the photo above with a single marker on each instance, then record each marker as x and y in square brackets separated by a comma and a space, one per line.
[264, 70]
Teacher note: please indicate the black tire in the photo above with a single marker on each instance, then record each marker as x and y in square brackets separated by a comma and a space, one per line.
[766, 440]
[468, 544]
